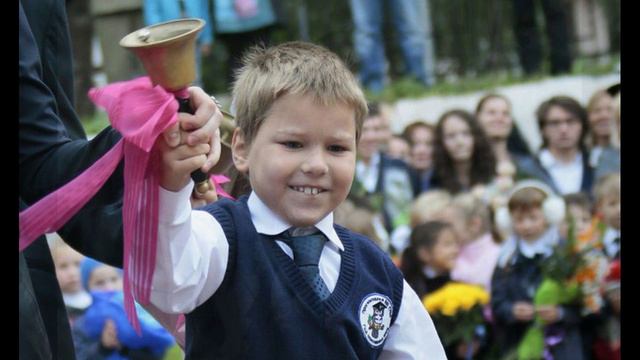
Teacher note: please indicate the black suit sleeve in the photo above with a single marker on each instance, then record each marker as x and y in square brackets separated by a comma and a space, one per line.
[48, 159]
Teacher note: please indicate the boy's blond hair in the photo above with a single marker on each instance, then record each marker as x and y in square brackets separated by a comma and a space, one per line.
[470, 206]
[608, 185]
[292, 68]
[428, 206]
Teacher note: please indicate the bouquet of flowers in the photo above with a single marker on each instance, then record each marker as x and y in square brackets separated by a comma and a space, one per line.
[594, 268]
[560, 285]
[457, 311]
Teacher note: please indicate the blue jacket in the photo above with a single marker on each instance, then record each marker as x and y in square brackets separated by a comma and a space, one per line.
[228, 20]
[156, 11]
[518, 281]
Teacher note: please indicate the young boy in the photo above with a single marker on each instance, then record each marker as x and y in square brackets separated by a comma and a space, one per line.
[534, 214]
[103, 331]
[578, 211]
[229, 267]
[67, 263]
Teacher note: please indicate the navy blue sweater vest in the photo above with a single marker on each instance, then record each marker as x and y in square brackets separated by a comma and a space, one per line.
[264, 309]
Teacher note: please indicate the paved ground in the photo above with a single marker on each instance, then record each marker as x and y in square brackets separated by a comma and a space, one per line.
[525, 98]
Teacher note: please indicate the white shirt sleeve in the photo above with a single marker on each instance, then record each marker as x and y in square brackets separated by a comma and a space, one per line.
[413, 335]
[192, 254]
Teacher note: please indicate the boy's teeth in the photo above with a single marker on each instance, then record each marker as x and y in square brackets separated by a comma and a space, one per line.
[307, 190]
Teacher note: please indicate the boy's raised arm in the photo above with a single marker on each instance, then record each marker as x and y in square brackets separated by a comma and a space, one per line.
[192, 251]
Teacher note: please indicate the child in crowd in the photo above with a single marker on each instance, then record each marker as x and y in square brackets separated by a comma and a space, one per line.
[607, 336]
[67, 262]
[534, 213]
[427, 264]
[607, 197]
[361, 220]
[270, 275]
[379, 176]
[425, 207]
[398, 148]
[103, 331]
[579, 212]
[479, 252]
[430, 257]
[589, 240]
[428, 206]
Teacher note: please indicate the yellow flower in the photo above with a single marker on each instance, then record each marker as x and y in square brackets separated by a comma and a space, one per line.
[450, 308]
[432, 303]
[449, 299]
[467, 302]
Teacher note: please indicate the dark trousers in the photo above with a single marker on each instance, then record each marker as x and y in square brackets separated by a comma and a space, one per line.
[529, 41]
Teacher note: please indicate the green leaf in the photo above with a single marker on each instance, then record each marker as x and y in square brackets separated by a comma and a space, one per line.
[531, 346]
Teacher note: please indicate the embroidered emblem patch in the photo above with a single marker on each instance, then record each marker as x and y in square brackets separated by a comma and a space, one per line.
[375, 318]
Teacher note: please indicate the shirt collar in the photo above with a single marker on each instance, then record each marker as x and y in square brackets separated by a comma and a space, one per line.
[543, 245]
[373, 162]
[609, 237]
[548, 160]
[268, 222]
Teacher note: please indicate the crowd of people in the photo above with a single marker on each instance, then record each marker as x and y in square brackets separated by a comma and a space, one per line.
[486, 210]
[343, 234]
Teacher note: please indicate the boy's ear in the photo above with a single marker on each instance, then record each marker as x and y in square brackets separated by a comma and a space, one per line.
[240, 151]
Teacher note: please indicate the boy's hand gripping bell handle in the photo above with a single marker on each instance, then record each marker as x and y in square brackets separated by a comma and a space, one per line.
[200, 178]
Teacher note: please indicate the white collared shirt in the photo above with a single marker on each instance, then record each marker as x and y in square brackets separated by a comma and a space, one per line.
[192, 256]
[368, 174]
[566, 176]
[529, 250]
[608, 239]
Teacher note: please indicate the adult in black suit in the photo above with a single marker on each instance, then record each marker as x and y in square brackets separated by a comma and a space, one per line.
[53, 150]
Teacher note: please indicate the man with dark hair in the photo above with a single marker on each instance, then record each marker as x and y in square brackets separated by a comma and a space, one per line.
[563, 161]
[389, 183]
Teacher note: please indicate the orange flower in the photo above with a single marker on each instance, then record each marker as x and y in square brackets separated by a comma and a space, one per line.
[586, 273]
[591, 237]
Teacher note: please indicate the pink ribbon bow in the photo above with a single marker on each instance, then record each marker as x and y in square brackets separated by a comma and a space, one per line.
[217, 181]
[140, 112]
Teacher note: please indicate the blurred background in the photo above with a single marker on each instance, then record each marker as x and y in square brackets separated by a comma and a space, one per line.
[475, 50]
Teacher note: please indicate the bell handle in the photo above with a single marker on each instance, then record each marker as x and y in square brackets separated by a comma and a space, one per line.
[200, 178]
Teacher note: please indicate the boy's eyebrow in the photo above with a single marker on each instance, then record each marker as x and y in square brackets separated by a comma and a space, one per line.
[342, 135]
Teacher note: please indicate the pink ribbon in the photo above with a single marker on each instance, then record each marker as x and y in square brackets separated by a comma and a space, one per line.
[140, 112]
[217, 181]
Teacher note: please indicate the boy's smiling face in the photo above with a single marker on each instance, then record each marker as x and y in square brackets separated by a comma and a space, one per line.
[301, 161]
